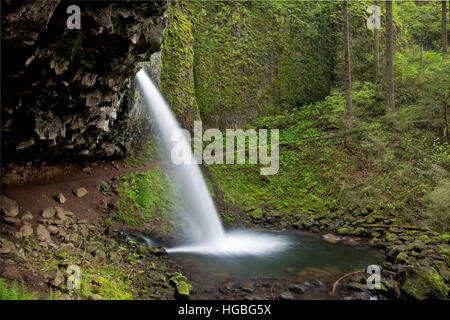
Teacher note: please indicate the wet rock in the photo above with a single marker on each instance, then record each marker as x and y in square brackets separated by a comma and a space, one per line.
[286, 296]
[48, 213]
[247, 289]
[27, 216]
[331, 238]
[8, 206]
[60, 198]
[80, 192]
[225, 290]
[313, 283]
[356, 286]
[316, 283]
[361, 296]
[298, 289]
[43, 234]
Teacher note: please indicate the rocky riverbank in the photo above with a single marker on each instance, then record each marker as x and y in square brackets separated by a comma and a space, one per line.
[416, 262]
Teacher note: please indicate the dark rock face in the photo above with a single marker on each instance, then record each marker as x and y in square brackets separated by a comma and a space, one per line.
[64, 91]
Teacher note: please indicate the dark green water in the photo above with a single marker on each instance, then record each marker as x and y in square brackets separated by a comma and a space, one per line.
[307, 258]
[305, 251]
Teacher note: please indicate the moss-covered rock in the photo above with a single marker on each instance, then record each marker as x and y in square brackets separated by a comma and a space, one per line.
[402, 257]
[257, 214]
[424, 283]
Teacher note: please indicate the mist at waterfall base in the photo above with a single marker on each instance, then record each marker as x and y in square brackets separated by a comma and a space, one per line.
[204, 230]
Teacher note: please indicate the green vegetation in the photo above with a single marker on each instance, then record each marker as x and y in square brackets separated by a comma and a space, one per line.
[400, 170]
[13, 292]
[221, 57]
[147, 198]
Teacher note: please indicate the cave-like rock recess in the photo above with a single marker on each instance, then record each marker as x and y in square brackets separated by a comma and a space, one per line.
[66, 92]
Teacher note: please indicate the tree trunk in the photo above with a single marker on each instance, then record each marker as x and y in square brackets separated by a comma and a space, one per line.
[376, 51]
[421, 55]
[348, 74]
[389, 62]
[444, 30]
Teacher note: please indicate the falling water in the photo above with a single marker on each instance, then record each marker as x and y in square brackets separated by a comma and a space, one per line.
[205, 230]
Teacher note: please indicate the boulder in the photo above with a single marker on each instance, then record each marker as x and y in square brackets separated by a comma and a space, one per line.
[13, 221]
[6, 246]
[60, 198]
[298, 288]
[60, 213]
[9, 207]
[48, 213]
[58, 279]
[331, 238]
[43, 234]
[11, 272]
[26, 230]
[27, 216]
[424, 283]
[286, 296]
[80, 192]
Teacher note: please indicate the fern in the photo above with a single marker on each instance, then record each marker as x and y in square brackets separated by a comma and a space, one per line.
[13, 292]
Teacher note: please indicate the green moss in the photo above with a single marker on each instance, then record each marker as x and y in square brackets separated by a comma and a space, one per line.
[257, 214]
[391, 237]
[147, 196]
[424, 283]
[343, 230]
[445, 237]
[402, 257]
[244, 42]
[179, 281]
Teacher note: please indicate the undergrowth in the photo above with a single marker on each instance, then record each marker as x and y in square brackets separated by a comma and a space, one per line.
[14, 292]
[401, 168]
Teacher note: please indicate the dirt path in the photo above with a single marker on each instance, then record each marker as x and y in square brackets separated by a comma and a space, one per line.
[39, 194]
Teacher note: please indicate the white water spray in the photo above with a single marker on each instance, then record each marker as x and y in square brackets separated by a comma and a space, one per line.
[205, 229]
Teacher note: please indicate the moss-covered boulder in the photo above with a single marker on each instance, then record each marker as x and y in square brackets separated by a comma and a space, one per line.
[182, 288]
[257, 214]
[424, 283]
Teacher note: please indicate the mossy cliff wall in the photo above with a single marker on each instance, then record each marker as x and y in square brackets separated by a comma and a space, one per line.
[230, 62]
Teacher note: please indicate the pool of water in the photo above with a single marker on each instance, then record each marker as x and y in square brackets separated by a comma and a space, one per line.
[252, 264]
[303, 259]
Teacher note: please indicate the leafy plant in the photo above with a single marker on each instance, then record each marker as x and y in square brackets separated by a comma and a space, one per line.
[13, 292]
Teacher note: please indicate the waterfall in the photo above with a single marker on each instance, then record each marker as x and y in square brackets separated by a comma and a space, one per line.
[204, 223]
[204, 229]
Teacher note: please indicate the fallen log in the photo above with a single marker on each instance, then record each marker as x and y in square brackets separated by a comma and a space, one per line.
[345, 276]
[391, 226]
